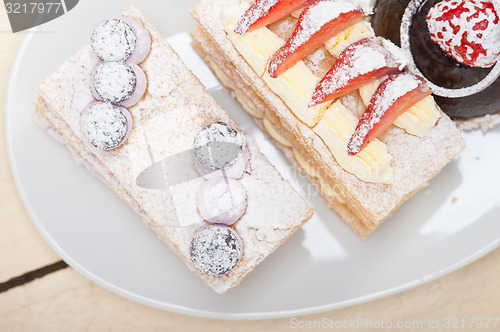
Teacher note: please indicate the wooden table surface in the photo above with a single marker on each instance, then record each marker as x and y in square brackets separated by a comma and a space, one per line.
[39, 292]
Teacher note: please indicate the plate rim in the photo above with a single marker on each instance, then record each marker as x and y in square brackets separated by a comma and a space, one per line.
[183, 309]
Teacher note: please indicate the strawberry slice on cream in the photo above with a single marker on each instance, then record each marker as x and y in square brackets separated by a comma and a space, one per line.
[393, 97]
[317, 23]
[265, 12]
[359, 64]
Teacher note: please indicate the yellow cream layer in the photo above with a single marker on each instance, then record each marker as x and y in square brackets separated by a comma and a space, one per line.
[372, 164]
[274, 133]
[306, 166]
[360, 30]
[326, 188]
[295, 86]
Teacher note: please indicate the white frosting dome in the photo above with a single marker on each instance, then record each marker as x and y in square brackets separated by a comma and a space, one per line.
[105, 126]
[215, 249]
[114, 81]
[113, 40]
[467, 30]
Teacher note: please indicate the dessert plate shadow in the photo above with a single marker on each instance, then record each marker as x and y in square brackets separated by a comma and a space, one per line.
[323, 266]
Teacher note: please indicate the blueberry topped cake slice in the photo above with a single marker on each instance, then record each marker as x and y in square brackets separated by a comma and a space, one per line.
[135, 116]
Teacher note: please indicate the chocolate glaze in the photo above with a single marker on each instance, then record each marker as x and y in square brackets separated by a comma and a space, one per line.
[434, 63]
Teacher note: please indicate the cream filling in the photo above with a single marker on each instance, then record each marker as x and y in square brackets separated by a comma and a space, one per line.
[418, 120]
[295, 86]
[372, 164]
[274, 133]
[326, 188]
[339, 43]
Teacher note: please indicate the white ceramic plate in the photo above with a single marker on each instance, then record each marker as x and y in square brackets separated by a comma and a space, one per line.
[323, 266]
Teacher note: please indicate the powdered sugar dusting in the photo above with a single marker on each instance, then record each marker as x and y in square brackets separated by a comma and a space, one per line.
[361, 61]
[113, 40]
[320, 61]
[222, 201]
[104, 125]
[358, 59]
[467, 30]
[396, 86]
[256, 11]
[396, 52]
[311, 21]
[313, 18]
[217, 146]
[386, 95]
[215, 250]
[114, 81]
[174, 108]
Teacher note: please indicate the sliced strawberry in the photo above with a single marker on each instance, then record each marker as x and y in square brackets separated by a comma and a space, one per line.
[359, 64]
[319, 22]
[264, 12]
[393, 97]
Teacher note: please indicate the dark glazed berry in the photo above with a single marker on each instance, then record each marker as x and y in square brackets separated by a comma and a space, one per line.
[215, 250]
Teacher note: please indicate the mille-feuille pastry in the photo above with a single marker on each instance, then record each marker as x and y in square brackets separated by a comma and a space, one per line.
[308, 76]
[455, 44]
[128, 109]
